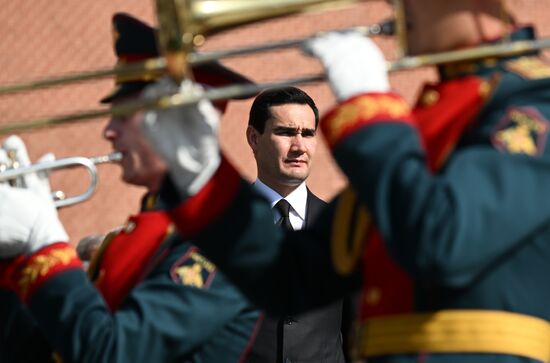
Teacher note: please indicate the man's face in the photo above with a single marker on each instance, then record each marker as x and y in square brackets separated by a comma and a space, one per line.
[140, 163]
[285, 149]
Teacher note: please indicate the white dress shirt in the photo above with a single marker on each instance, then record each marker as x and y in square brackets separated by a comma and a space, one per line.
[297, 200]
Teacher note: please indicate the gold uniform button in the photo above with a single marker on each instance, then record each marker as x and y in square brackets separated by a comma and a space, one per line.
[429, 98]
[373, 296]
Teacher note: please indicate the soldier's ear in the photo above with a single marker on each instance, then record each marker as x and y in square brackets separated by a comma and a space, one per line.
[252, 138]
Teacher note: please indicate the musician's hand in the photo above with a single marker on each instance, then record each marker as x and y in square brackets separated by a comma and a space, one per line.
[28, 222]
[28, 217]
[16, 149]
[4, 161]
[353, 63]
[186, 136]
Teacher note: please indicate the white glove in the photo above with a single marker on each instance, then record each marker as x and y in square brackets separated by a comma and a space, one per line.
[28, 222]
[186, 137]
[353, 63]
[28, 217]
[15, 147]
[4, 160]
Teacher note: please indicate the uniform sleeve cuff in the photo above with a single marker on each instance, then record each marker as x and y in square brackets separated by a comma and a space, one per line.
[363, 110]
[31, 272]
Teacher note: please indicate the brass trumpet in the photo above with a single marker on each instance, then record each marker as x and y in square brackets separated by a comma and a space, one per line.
[60, 199]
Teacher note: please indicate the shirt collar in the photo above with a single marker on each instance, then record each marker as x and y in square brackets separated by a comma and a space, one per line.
[297, 199]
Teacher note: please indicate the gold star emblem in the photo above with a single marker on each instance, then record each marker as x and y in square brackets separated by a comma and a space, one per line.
[191, 275]
[518, 140]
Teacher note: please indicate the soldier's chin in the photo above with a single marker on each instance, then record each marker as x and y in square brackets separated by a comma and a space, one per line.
[295, 178]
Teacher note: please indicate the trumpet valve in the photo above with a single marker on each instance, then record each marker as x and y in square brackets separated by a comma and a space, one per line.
[12, 157]
[58, 195]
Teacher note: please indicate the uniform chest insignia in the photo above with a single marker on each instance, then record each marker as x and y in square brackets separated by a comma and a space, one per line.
[529, 67]
[523, 130]
[193, 269]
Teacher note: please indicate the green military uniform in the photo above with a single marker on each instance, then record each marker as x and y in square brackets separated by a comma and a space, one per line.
[20, 341]
[180, 308]
[452, 257]
[153, 297]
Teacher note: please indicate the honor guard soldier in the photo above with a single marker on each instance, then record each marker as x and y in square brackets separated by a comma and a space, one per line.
[154, 297]
[445, 225]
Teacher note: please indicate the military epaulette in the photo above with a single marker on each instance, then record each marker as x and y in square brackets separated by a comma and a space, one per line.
[531, 67]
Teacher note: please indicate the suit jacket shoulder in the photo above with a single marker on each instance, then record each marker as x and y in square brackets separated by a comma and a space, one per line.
[313, 207]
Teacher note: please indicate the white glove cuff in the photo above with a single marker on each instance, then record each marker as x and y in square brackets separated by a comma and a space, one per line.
[44, 234]
[353, 62]
[204, 176]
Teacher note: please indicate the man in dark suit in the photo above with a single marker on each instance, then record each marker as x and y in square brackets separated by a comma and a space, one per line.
[282, 131]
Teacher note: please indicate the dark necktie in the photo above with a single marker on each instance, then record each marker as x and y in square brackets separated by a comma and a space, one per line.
[284, 208]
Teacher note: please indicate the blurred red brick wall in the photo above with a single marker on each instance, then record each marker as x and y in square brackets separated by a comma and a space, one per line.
[41, 38]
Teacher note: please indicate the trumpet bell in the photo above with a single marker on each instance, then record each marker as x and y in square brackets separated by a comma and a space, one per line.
[215, 15]
[183, 24]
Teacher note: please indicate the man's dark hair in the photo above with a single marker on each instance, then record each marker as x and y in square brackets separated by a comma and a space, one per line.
[260, 111]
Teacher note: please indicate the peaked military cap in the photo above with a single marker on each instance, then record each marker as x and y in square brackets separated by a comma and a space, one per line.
[135, 41]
